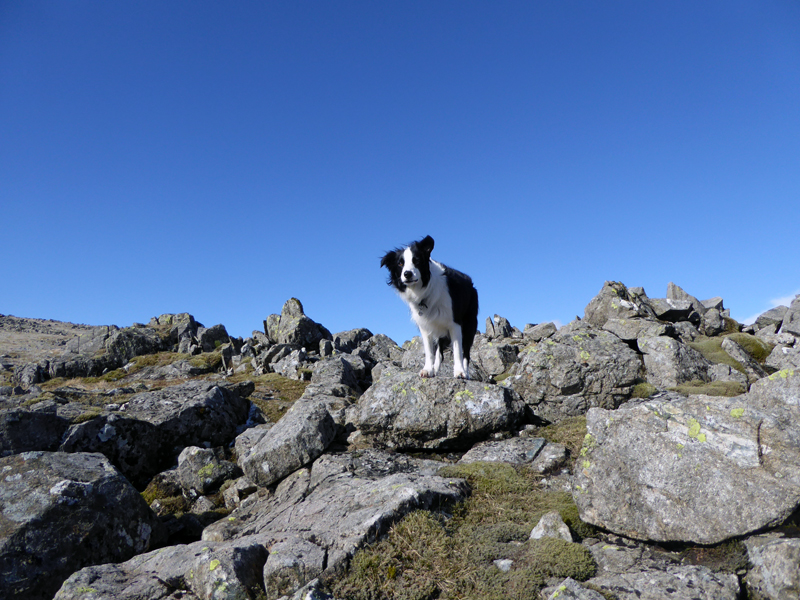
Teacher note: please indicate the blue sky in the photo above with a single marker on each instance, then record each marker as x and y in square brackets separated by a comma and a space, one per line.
[219, 158]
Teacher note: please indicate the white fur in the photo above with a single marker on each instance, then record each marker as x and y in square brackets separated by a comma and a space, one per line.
[432, 310]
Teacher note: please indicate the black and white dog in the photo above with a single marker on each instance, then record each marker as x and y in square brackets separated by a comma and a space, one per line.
[443, 303]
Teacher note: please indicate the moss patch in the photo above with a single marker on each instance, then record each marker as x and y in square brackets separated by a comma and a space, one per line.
[427, 556]
[711, 349]
[755, 347]
[643, 390]
[569, 432]
[715, 388]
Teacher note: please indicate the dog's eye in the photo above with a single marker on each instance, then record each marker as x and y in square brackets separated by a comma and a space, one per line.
[401, 262]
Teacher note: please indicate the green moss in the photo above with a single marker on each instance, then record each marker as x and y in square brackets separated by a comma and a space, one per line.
[711, 349]
[643, 389]
[755, 347]
[207, 360]
[570, 432]
[715, 388]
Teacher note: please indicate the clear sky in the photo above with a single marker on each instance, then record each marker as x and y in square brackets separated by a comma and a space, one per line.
[219, 158]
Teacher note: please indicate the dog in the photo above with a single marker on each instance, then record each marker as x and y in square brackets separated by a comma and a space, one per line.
[443, 303]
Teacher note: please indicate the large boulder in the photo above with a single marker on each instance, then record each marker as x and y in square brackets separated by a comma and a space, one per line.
[405, 411]
[670, 362]
[60, 512]
[299, 437]
[147, 433]
[293, 327]
[699, 469]
[39, 427]
[791, 320]
[614, 301]
[575, 369]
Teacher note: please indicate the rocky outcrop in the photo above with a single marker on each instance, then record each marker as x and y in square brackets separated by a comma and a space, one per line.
[293, 327]
[60, 512]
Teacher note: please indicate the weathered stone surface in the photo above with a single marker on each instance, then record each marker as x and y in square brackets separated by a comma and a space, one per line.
[675, 292]
[213, 337]
[613, 302]
[60, 512]
[632, 329]
[569, 589]
[775, 567]
[784, 357]
[39, 427]
[675, 582]
[791, 320]
[712, 322]
[670, 310]
[754, 370]
[577, 368]
[696, 470]
[551, 525]
[336, 376]
[493, 357]
[405, 411]
[201, 471]
[203, 570]
[347, 341]
[497, 328]
[414, 359]
[293, 327]
[341, 503]
[291, 563]
[774, 316]
[299, 437]
[381, 348]
[670, 362]
[536, 333]
[146, 435]
[516, 451]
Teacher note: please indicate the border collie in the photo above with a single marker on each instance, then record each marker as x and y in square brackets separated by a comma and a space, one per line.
[443, 303]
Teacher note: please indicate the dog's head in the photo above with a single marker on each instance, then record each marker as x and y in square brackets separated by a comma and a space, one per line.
[410, 266]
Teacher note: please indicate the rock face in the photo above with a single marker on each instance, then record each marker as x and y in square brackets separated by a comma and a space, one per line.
[404, 411]
[293, 327]
[576, 368]
[698, 469]
[59, 512]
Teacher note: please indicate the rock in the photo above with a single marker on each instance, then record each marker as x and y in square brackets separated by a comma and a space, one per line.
[536, 333]
[775, 567]
[202, 570]
[630, 330]
[202, 471]
[722, 372]
[342, 503]
[335, 376]
[572, 590]
[576, 368]
[676, 293]
[515, 451]
[414, 359]
[299, 437]
[698, 470]
[405, 411]
[754, 370]
[712, 322]
[774, 316]
[493, 357]
[36, 428]
[669, 362]
[671, 310]
[715, 302]
[293, 327]
[613, 302]
[550, 458]
[238, 491]
[551, 525]
[347, 341]
[60, 512]
[147, 436]
[291, 563]
[791, 320]
[212, 338]
[784, 357]
[292, 366]
[498, 328]
[381, 348]
[678, 582]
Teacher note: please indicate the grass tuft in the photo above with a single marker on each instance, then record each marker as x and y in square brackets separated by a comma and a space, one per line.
[569, 432]
[715, 388]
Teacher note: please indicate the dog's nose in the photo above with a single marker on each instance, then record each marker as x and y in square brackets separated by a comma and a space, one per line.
[408, 275]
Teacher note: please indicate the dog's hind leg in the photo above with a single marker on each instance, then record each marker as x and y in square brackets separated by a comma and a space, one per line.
[437, 362]
[429, 370]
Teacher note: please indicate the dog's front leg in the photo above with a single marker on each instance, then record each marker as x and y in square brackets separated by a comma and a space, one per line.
[459, 364]
[427, 343]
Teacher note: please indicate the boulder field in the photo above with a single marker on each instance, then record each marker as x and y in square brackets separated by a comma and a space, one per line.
[647, 450]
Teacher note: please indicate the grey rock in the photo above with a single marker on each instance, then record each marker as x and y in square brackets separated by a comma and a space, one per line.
[675, 292]
[613, 302]
[238, 491]
[516, 451]
[347, 341]
[381, 348]
[336, 376]
[60, 512]
[754, 370]
[493, 357]
[292, 366]
[573, 370]
[536, 333]
[774, 316]
[342, 503]
[712, 323]
[791, 320]
[674, 582]
[774, 573]
[722, 372]
[250, 437]
[551, 525]
[147, 436]
[671, 310]
[39, 427]
[202, 471]
[405, 411]
[686, 331]
[696, 470]
[414, 359]
[715, 302]
[498, 327]
[552, 457]
[569, 589]
[299, 437]
[326, 348]
[630, 330]
[212, 338]
[293, 327]
[202, 570]
[784, 357]
[291, 563]
[669, 362]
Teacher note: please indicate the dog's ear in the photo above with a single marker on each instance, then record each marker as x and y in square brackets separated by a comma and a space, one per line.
[389, 259]
[426, 244]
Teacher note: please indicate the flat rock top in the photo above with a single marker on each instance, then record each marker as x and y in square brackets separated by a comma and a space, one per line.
[29, 340]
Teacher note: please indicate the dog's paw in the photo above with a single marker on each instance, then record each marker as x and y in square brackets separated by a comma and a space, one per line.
[460, 375]
[426, 373]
